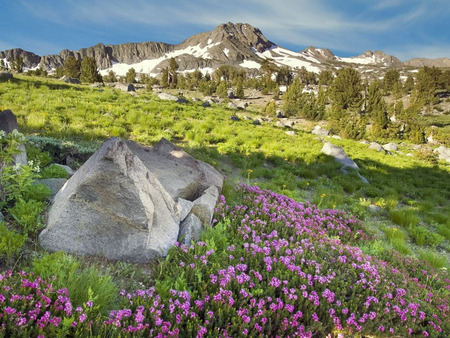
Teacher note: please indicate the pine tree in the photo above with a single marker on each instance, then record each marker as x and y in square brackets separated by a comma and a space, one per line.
[2, 65]
[17, 64]
[89, 71]
[72, 67]
[59, 71]
[292, 98]
[111, 77]
[409, 84]
[239, 89]
[173, 67]
[130, 76]
[221, 90]
[376, 109]
[346, 98]
[326, 78]
[391, 78]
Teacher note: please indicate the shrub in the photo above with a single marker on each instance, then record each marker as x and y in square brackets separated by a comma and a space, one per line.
[27, 214]
[423, 236]
[54, 171]
[83, 284]
[10, 242]
[404, 217]
[436, 260]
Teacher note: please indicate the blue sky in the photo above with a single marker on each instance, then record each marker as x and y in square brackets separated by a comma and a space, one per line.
[404, 28]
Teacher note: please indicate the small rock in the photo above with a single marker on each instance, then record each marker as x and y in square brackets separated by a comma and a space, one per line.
[374, 208]
[190, 229]
[337, 137]
[206, 104]
[235, 118]
[256, 122]
[67, 79]
[125, 87]
[390, 147]
[54, 184]
[318, 130]
[290, 133]
[376, 146]
[231, 105]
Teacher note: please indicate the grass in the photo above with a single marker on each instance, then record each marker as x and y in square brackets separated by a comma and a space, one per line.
[67, 122]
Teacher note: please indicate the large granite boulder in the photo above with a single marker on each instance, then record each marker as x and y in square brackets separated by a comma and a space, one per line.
[443, 153]
[340, 156]
[127, 202]
[8, 123]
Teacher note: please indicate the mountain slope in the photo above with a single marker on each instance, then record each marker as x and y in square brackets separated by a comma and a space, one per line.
[240, 45]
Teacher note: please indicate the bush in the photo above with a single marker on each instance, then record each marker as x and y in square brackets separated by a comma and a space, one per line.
[404, 217]
[10, 242]
[54, 171]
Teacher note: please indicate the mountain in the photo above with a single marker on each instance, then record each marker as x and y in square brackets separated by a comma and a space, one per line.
[240, 45]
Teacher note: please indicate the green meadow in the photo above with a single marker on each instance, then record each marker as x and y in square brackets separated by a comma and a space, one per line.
[408, 193]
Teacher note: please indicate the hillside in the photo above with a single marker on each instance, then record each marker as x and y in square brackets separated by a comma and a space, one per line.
[298, 247]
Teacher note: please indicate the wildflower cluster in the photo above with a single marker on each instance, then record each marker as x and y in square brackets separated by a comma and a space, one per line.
[275, 267]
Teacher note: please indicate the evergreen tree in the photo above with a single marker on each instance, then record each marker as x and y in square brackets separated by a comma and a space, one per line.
[326, 78]
[377, 110]
[427, 82]
[221, 90]
[346, 98]
[271, 109]
[17, 64]
[72, 67]
[2, 65]
[409, 84]
[111, 77]
[391, 78]
[130, 76]
[284, 76]
[173, 67]
[276, 94]
[59, 71]
[292, 98]
[165, 77]
[444, 80]
[89, 71]
[239, 89]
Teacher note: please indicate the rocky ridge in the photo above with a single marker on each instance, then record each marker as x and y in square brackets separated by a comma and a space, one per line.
[240, 45]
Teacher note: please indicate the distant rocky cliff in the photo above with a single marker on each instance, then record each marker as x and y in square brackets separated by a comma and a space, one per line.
[228, 43]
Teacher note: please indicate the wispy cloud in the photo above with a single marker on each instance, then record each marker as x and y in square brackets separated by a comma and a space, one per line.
[349, 26]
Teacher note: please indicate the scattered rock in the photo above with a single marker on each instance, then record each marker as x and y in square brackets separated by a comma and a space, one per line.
[340, 156]
[8, 123]
[170, 97]
[67, 79]
[125, 87]
[256, 122]
[336, 137]
[374, 208]
[376, 146]
[54, 184]
[280, 114]
[443, 153]
[365, 142]
[206, 104]
[6, 76]
[290, 133]
[390, 147]
[235, 118]
[281, 124]
[231, 105]
[127, 202]
[190, 229]
[96, 85]
[318, 130]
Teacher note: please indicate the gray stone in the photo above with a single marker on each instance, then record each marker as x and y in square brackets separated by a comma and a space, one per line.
[54, 184]
[390, 146]
[339, 155]
[231, 105]
[206, 104]
[318, 130]
[336, 137]
[290, 133]
[6, 76]
[443, 153]
[67, 79]
[376, 146]
[374, 208]
[281, 124]
[256, 122]
[126, 202]
[8, 123]
[190, 229]
[203, 207]
[125, 87]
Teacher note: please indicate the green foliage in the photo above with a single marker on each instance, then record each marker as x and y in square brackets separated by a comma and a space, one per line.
[423, 236]
[391, 79]
[326, 78]
[54, 171]
[89, 71]
[130, 76]
[111, 77]
[10, 242]
[436, 260]
[84, 284]
[346, 91]
[271, 109]
[404, 217]
[72, 67]
[37, 192]
[37, 156]
[27, 214]
[377, 110]
[222, 90]
[239, 93]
